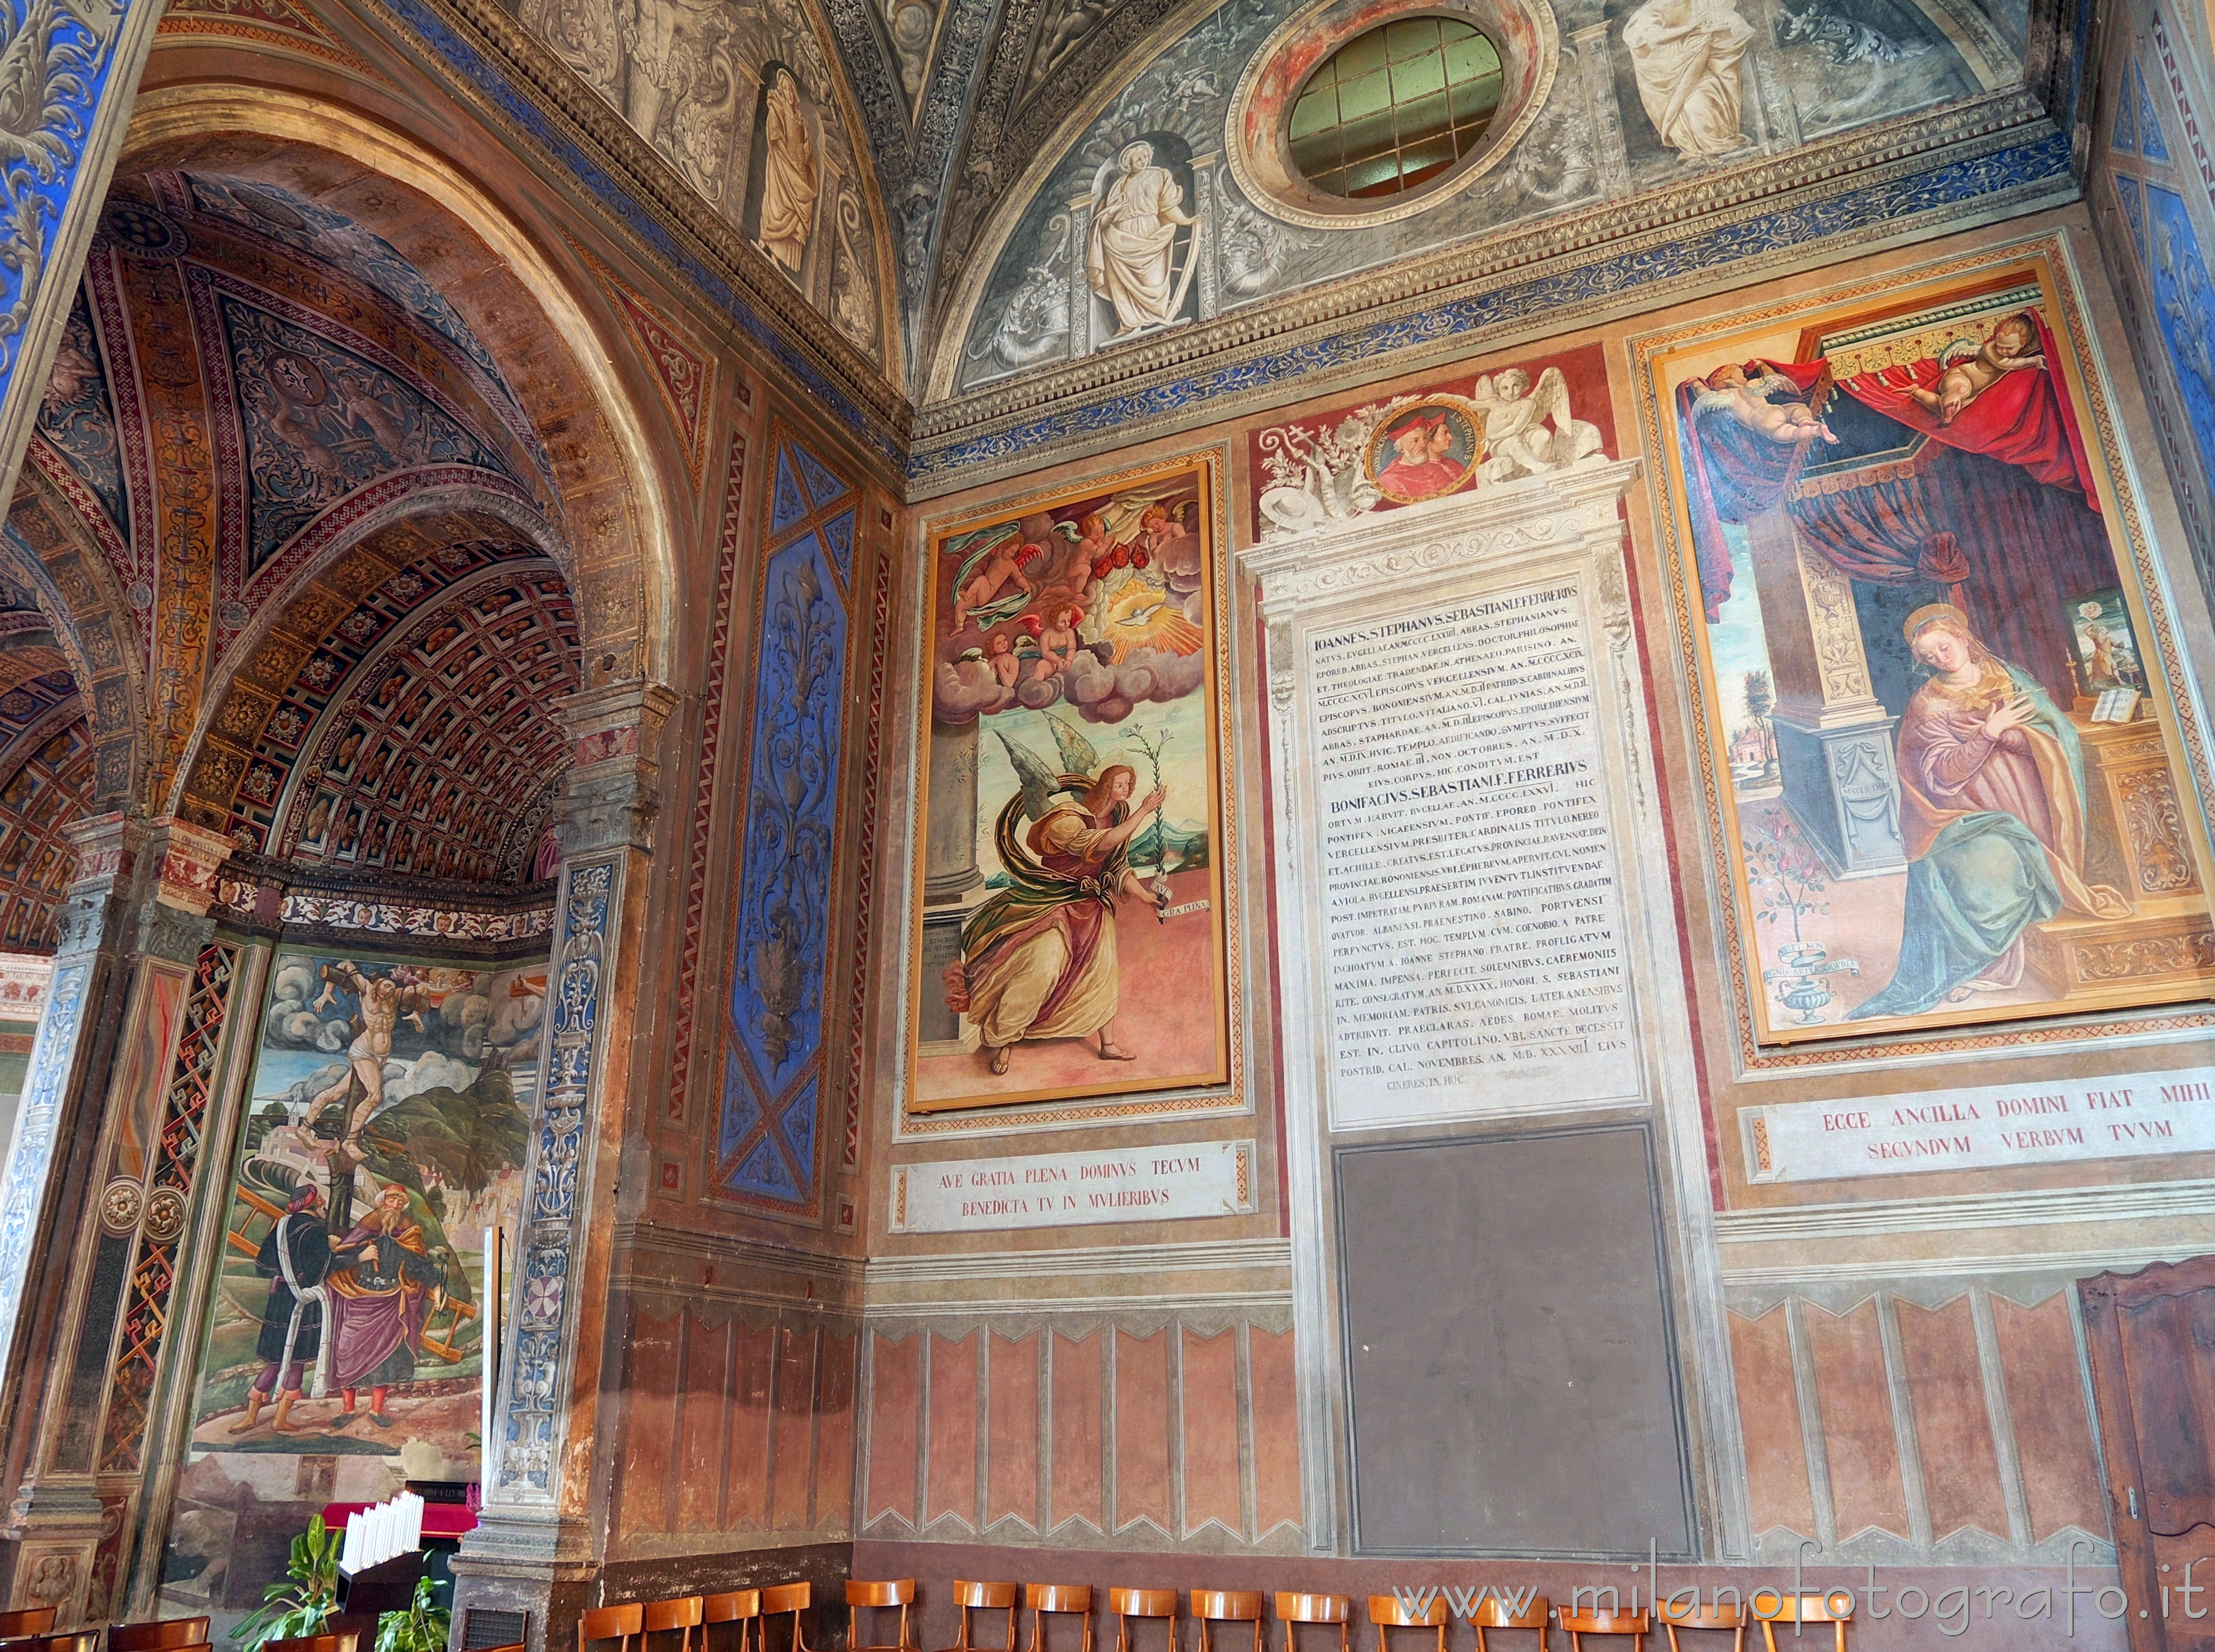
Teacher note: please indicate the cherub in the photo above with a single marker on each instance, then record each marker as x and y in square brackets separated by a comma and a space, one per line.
[1970, 369]
[1057, 641]
[1001, 656]
[986, 574]
[1758, 400]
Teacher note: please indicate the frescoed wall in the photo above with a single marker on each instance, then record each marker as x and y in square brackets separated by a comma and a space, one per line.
[1615, 102]
[1071, 938]
[1958, 790]
[384, 1132]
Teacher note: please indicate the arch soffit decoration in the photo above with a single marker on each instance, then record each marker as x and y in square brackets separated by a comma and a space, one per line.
[63, 566]
[619, 554]
[953, 308]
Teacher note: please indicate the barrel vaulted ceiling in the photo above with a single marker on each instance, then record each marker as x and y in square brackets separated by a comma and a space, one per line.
[281, 560]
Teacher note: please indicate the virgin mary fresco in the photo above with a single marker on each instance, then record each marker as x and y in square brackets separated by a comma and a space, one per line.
[1991, 785]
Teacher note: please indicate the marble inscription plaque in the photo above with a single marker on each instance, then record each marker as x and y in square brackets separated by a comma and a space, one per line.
[1069, 1189]
[1473, 918]
[2051, 1122]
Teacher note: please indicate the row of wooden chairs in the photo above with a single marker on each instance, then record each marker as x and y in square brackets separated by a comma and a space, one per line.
[30, 1631]
[751, 1610]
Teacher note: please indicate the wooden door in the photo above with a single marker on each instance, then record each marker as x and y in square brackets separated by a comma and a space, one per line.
[2152, 1338]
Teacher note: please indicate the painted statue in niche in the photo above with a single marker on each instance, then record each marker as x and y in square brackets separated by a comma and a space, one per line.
[1071, 939]
[1951, 783]
[1685, 55]
[386, 1132]
[1131, 252]
[742, 101]
[790, 180]
[1678, 86]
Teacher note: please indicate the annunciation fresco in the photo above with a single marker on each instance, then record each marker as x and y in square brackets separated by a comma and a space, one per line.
[1070, 940]
[1952, 772]
[385, 1132]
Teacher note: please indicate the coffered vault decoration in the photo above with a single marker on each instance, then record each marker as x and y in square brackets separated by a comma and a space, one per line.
[46, 783]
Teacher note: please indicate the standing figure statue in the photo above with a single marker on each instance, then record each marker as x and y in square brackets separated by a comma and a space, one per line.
[789, 181]
[1685, 54]
[1130, 256]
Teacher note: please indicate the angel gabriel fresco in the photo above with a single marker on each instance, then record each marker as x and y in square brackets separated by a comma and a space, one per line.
[1039, 958]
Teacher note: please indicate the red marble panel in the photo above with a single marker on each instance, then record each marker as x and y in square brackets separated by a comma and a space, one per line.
[794, 1460]
[1079, 1484]
[951, 1488]
[834, 1434]
[1142, 1429]
[2052, 1430]
[754, 1355]
[1768, 1423]
[702, 1423]
[895, 1431]
[649, 1407]
[1212, 1488]
[1854, 1399]
[1011, 1431]
[1271, 1379]
[1952, 1424]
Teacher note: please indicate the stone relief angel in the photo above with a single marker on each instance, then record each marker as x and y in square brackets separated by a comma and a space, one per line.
[1528, 429]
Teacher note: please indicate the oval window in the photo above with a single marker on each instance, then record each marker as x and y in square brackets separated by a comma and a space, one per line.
[1394, 109]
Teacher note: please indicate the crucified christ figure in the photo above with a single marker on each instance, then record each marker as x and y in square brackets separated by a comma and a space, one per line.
[384, 999]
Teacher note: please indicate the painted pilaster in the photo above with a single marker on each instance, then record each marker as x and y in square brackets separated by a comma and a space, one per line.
[535, 1549]
[85, 1192]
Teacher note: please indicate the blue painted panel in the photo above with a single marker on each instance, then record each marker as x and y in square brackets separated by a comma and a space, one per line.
[2125, 134]
[822, 485]
[2184, 302]
[2151, 143]
[782, 944]
[790, 505]
[60, 66]
[2126, 191]
[839, 534]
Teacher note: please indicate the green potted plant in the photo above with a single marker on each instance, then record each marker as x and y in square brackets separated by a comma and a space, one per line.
[421, 1628]
[308, 1593]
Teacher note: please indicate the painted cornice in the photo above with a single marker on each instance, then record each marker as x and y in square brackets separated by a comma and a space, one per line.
[1992, 158]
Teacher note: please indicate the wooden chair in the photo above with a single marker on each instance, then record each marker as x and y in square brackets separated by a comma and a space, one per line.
[878, 1597]
[983, 1597]
[165, 1635]
[1715, 1617]
[680, 1612]
[1388, 1612]
[794, 1598]
[1809, 1609]
[1227, 1606]
[1493, 1613]
[1042, 1598]
[346, 1642]
[1126, 1603]
[740, 1607]
[360, 1624]
[622, 1625]
[31, 1620]
[1294, 1610]
[1602, 1621]
[82, 1640]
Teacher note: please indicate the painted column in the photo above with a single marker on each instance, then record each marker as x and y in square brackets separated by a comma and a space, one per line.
[79, 82]
[950, 878]
[85, 1192]
[1596, 70]
[532, 1552]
